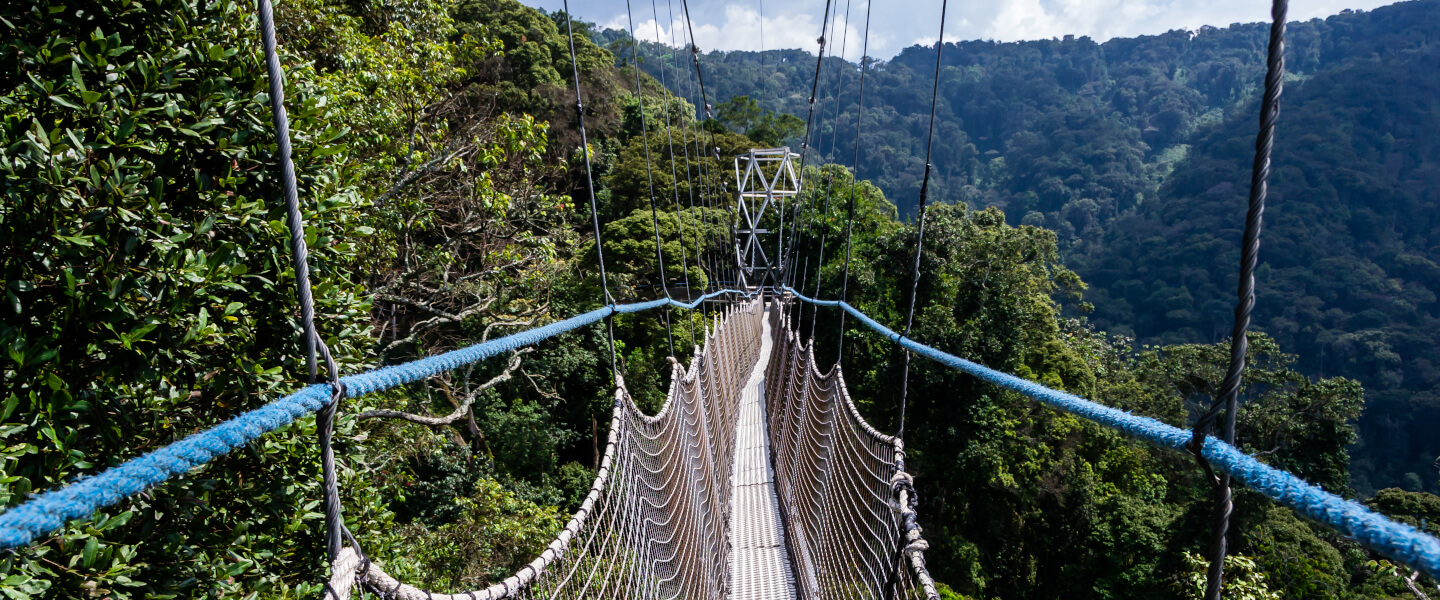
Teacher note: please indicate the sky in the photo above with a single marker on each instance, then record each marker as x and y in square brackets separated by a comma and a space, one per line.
[895, 25]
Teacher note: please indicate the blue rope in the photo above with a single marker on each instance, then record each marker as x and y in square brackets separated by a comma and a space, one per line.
[49, 511]
[1396, 540]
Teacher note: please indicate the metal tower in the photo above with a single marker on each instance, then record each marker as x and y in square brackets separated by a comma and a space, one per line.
[765, 178]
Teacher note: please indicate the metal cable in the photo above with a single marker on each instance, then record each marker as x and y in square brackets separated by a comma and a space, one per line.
[854, 183]
[920, 220]
[1227, 399]
[300, 254]
[590, 186]
[787, 260]
[834, 141]
[649, 178]
[674, 178]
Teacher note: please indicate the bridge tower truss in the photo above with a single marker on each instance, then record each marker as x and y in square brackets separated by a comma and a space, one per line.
[766, 182]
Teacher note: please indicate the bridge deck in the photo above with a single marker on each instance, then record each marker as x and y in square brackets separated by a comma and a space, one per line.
[759, 564]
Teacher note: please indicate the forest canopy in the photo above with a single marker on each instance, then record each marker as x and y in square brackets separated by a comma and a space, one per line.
[149, 285]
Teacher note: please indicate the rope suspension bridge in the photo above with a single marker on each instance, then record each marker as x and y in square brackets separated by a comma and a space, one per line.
[758, 478]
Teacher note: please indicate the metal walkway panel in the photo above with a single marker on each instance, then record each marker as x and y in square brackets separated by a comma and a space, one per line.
[759, 563]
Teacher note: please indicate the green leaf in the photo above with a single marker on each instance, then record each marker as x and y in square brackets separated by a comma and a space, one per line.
[65, 103]
[79, 241]
[75, 76]
[9, 407]
[92, 546]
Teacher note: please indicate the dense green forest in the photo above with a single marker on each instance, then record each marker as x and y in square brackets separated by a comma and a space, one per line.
[1137, 151]
[149, 291]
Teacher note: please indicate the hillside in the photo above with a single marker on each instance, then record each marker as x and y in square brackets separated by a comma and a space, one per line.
[150, 295]
[1136, 153]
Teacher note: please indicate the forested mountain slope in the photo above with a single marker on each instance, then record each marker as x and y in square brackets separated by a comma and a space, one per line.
[1136, 152]
[149, 295]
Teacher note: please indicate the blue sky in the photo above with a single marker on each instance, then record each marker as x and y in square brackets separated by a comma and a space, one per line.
[737, 24]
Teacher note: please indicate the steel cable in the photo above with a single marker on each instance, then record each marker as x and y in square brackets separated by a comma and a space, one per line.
[920, 218]
[1228, 398]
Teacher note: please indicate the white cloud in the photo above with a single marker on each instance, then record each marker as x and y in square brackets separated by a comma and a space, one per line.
[736, 24]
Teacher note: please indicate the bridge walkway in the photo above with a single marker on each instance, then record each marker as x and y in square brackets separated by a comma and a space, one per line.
[760, 567]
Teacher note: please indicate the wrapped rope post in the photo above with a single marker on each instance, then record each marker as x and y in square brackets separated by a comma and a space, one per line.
[295, 222]
[1227, 399]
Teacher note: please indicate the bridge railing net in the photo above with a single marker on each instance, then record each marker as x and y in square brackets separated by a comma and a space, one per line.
[848, 505]
[654, 523]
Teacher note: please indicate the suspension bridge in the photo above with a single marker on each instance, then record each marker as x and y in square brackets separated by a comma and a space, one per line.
[758, 478]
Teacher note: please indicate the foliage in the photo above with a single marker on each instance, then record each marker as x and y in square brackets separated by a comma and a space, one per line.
[1243, 579]
[496, 534]
[1137, 153]
[743, 115]
[149, 288]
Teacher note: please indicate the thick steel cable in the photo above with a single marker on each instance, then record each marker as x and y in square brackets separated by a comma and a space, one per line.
[804, 150]
[590, 186]
[834, 141]
[804, 215]
[700, 80]
[920, 219]
[295, 221]
[649, 178]
[805, 228]
[1228, 398]
[674, 179]
[854, 184]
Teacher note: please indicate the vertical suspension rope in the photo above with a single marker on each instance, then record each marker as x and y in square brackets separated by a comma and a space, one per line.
[854, 183]
[590, 186]
[805, 215]
[705, 102]
[1227, 399]
[920, 232]
[674, 179]
[804, 154]
[834, 141]
[301, 256]
[649, 178]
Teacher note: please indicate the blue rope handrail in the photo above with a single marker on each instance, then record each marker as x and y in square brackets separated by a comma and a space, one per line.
[1396, 540]
[50, 510]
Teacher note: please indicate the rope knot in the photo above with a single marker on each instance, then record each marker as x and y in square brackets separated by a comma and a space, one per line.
[902, 481]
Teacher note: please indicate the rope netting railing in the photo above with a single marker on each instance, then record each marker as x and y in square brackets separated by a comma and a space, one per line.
[654, 523]
[849, 506]
[1399, 541]
[48, 511]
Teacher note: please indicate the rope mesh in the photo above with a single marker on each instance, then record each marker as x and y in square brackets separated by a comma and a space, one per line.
[654, 524]
[657, 523]
[848, 504]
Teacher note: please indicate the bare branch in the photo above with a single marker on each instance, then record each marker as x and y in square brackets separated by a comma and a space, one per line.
[536, 385]
[435, 163]
[461, 410]
[1415, 589]
[436, 321]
